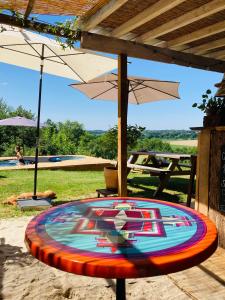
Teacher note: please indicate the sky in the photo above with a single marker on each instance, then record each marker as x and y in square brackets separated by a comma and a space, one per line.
[19, 86]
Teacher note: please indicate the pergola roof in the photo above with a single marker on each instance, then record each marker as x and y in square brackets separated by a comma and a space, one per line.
[191, 26]
[54, 7]
[188, 26]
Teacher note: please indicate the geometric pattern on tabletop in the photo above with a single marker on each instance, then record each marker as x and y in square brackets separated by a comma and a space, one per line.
[121, 237]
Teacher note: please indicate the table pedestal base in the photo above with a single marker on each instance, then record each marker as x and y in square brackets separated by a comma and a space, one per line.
[120, 289]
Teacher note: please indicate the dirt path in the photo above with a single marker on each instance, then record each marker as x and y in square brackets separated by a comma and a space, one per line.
[22, 277]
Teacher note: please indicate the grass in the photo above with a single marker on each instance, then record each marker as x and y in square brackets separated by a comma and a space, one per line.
[74, 185]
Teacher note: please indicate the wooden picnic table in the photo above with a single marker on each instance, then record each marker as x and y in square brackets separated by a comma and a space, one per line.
[162, 164]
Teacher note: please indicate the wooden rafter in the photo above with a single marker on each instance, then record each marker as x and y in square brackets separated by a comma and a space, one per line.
[101, 14]
[145, 16]
[185, 19]
[197, 35]
[207, 46]
[117, 46]
[29, 8]
[217, 54]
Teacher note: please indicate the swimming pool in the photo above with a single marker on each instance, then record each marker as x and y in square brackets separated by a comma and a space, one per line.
[62, 158]
[8, 163]
[14, 162]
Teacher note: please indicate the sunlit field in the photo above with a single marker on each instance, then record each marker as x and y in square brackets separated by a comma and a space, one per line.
[191, 143]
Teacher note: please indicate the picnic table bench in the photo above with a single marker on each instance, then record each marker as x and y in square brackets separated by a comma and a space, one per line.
[152, 170]
[164, 165]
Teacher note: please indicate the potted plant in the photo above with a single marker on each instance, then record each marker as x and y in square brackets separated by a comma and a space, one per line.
[214, 108]
[111, 177]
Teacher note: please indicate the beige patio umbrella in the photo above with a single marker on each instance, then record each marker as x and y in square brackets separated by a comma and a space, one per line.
[140, 90]
[26, 49]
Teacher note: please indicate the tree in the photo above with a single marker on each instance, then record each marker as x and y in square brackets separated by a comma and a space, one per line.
[105, 145]
[61, 138]
[87, 144]
[153, 144]
[12, 135]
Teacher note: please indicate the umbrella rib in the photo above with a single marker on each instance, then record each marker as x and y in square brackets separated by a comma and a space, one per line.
[20, 44]
[4, 47]
[103, 92]
[114, 84]
[92, 82]
[62, 63]
[66, 64]
[62, 55]
[33, 48]
[132, 90]
[30, 44]
[133, 87]
[46, 58]
[154, 80]
[145, 86]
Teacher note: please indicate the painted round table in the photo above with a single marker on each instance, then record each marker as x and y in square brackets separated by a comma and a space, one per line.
[121, 237]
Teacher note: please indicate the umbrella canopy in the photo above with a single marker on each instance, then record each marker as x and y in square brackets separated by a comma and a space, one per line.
[29, 50]
[25, 49]
[19, 121]
[126, 89]
[141, 90]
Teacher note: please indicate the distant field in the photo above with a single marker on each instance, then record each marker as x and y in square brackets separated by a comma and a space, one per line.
[191, 143]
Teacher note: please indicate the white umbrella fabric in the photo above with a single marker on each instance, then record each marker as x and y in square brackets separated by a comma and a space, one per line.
[25, 49]
[141, 90]
[29, 50]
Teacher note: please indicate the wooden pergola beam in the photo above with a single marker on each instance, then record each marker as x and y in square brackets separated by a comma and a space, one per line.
[101, 14]
[185, 19]
[197, 35]
[117, 46]
[145, 16]
[206, 47]
[32, 25]
[29, 8]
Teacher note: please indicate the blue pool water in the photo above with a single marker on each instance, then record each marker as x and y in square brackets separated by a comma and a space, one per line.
[62, 158]
[8, 163]
[14, 162]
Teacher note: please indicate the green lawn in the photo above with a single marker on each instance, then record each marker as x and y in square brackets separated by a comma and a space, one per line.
[73, 185]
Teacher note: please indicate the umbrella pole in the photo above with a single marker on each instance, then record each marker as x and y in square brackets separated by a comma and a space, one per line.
[38, 124]
[122, 124]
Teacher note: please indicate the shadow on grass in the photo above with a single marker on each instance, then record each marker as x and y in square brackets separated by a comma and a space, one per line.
[59, 202]
[2, 176]
[145, 187]
[148, 185]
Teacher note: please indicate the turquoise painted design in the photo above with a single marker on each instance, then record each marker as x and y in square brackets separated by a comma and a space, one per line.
[118, 228]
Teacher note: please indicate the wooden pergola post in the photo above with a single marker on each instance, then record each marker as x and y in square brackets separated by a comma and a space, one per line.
[122, 124]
